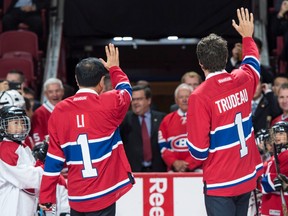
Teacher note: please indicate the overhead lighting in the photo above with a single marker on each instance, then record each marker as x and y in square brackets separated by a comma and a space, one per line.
[127, 38]
[117, 38]
[172, 38]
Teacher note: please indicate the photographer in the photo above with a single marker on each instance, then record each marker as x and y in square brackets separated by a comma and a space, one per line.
[16, 80]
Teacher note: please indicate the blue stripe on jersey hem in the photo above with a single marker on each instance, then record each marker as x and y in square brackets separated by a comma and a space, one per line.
[96, 197]
[237, 183]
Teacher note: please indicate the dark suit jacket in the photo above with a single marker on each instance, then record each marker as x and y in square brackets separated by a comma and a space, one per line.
[268, 106]
[130, 130]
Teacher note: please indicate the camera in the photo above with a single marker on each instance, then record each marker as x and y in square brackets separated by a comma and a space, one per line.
[14, 85]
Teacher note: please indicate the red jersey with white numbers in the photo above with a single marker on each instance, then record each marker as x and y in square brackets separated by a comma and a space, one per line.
[84, 133]
[220, 131]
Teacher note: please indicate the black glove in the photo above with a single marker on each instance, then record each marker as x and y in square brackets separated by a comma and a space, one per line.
[277, 184]
[281, 182]
[40, 151]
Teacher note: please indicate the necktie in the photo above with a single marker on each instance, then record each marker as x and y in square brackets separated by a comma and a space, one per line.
[147, 152]
[254, 107]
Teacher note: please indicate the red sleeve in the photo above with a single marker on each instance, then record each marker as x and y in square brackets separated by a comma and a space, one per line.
[7, 153]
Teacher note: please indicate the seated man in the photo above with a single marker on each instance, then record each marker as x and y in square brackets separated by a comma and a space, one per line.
[25, 11]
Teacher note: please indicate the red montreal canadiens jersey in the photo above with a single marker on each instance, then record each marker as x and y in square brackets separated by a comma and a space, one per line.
[40, 122]
[83, 132]
[172, 139]
[220, 131]
[271, 200]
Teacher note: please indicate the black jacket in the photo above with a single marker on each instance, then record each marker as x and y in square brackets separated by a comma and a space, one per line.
[130, 130]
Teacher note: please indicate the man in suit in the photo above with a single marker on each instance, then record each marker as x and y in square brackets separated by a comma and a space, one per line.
[264, 107]
[132, 135]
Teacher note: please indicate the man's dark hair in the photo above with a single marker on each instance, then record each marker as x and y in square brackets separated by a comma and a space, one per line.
[147, 90]
[89, 72]
[212, 53]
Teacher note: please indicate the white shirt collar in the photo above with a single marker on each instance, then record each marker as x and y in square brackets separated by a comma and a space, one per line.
[181, 113]
[215, 74]
[86, 90]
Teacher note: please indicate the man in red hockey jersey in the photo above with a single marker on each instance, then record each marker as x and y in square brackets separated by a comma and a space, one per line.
[84, 134]
[172, 134]
[219, 122]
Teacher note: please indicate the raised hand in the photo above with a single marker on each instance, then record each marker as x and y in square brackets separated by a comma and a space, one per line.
[246, 23]
[112, 55]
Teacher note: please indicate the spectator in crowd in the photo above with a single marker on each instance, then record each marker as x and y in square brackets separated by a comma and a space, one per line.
[266, 71]
[54, 91]
[19, 178]
[281, 28]
[172, 134]
[235, 60]
[16, 80]
[191, 78]
[272, 181]
[89, 140]
[283, 103]
[264, 107]
[219, 123]
[143, 83]
[278, 81]
[139, 132]
[30, 95]
[27, 12]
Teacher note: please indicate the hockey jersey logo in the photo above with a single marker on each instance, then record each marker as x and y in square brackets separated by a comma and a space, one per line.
[179, 143]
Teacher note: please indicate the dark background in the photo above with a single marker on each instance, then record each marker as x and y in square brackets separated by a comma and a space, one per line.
[90, 24]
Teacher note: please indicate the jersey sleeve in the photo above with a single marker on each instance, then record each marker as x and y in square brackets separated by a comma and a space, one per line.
[121, 84]
[250, 63]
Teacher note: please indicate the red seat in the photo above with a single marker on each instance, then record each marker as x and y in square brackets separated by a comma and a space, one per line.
[21, 64]
[20, 40]
[18, 54]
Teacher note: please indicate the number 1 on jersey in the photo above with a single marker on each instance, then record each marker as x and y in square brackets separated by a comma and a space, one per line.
[238, 122]
[88, 170]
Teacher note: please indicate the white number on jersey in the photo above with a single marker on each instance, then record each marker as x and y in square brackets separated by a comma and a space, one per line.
[238, 122]
[88, 170]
